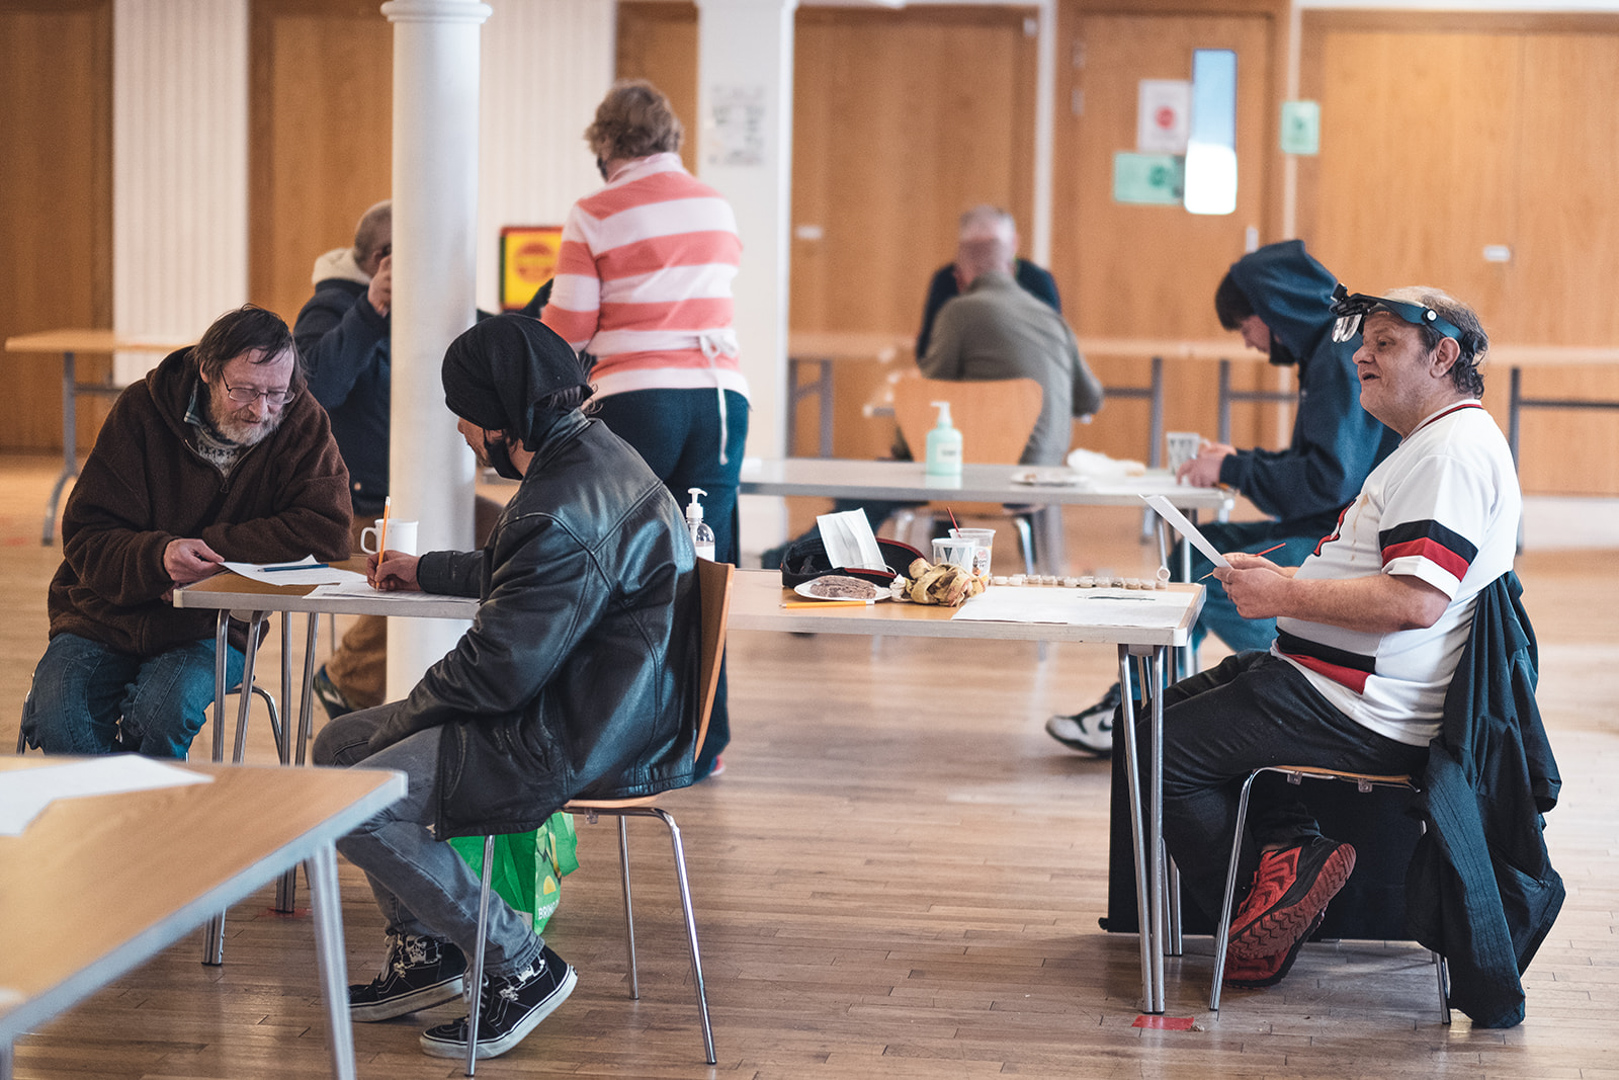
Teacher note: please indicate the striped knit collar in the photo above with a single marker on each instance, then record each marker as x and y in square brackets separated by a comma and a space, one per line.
[1444, 412]
[647, 166]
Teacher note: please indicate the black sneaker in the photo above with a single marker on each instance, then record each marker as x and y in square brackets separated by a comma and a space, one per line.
[511, 1007]
[419, 972]
[1091, 731]
[337, 704]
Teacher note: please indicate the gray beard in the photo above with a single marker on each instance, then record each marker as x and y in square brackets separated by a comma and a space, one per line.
[244, 434]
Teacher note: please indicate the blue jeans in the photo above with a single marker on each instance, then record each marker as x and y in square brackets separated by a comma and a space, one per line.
[677, 433]
[422, 886]
[89, 698]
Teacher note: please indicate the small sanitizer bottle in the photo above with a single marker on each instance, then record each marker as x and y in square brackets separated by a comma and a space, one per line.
[944, 445]
[702, 537]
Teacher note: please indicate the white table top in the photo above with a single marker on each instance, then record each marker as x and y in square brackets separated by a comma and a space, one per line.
[905, 481]
[757, 598]
[99, 885]
[232, 591]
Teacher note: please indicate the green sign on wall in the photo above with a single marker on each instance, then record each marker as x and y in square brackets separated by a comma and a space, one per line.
[1148, 179]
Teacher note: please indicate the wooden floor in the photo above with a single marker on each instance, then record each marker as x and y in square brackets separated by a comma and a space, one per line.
[899, 875]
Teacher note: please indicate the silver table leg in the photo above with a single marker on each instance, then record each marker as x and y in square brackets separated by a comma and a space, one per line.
[213, 940]
[1138, 835]
[1149, 853]
[327, 902]
[70, 445]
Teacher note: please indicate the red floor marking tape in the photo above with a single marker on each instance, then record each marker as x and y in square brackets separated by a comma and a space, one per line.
[1164, 1023]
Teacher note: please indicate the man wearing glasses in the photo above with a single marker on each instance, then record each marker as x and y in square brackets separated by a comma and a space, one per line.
[218, 454]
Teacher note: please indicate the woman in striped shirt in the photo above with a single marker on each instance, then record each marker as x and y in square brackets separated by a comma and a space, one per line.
[643, 285]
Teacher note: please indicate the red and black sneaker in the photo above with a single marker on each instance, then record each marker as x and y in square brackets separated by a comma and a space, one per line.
[1267, 970]
[1291, 889]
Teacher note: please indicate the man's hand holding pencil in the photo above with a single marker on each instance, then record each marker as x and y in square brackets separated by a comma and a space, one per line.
[392, 571]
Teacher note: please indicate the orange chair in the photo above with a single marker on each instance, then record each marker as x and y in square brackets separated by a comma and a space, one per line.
[995, 417]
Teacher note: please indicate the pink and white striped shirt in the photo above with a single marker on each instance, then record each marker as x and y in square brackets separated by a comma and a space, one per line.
[643, 282]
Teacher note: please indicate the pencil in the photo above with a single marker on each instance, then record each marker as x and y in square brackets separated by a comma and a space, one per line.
[382, 536]
[1267, 551]
[824, 603]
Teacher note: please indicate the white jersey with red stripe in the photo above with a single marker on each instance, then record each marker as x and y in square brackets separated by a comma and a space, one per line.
[643, 282]
[1444, 508]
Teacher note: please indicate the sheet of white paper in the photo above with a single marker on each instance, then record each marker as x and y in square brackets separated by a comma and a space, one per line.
[25, 792]
[849, 540]
[1146, 609]
[361, 587]
[1177, 520]
[315, 575]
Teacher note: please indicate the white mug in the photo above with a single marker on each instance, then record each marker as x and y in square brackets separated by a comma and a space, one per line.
[401, 536]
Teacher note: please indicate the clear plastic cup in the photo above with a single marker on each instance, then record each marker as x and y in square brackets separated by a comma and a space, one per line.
[1181, 447]
[985, 541]
[953, 552]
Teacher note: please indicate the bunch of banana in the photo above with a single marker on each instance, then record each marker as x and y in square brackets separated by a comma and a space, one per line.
[945, 584]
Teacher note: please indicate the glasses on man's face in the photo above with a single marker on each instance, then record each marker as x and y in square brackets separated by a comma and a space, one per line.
[246, 395]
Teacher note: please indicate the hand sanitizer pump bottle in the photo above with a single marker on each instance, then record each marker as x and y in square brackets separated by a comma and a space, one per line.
[702, 537]
[944, 445]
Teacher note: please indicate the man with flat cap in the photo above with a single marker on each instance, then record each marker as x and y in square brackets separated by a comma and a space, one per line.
[578, 678]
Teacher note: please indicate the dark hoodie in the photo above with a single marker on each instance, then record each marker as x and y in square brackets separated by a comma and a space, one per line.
[145, 485]
[1336, 443]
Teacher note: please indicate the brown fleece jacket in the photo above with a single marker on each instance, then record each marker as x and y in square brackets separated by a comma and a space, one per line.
[145, 485]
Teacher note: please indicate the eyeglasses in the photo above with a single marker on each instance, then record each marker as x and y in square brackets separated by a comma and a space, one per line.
[246, 395]
[1352, 310]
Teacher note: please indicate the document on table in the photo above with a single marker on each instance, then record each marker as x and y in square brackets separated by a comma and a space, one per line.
[1144, 609]
[25, 792]
[293, 573]
[1178, 520]
[361, 587]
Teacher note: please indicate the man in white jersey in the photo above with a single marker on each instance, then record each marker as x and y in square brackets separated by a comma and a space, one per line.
[1369, 631]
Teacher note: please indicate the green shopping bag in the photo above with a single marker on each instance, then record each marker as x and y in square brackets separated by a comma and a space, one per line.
[528, 867]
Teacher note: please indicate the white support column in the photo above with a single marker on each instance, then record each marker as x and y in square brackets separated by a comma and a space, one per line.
[745, 149]
[435, 207]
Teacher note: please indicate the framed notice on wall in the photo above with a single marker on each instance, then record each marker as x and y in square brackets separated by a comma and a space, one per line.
[528, 259]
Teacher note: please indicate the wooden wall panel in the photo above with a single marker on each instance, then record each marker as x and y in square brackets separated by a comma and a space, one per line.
[55, 204]
[657, 41]
[1522, 158]
[1151, 271]
[902, 120]
[1566, 255]
[321, 116]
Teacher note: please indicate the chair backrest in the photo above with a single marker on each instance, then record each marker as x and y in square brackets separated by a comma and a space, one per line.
[995, 416]
[714, 598]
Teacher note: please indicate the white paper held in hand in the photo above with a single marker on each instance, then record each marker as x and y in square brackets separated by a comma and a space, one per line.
[1178, 522]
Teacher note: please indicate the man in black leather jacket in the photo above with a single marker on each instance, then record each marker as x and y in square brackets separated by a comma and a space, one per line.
[578, 677]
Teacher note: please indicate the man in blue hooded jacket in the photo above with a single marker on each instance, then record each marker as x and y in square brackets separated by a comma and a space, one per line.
[1280, 300]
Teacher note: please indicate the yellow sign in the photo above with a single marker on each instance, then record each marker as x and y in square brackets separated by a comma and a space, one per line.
[528, 259]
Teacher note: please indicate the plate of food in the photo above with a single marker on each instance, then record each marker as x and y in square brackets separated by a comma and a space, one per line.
[1049, 477]
[841, 587]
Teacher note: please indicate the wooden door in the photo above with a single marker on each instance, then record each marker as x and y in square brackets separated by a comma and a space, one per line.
[321, 117]
[657, 41]
[1425, 162]
[1151, 271]
[901, 120]
[55, 205]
